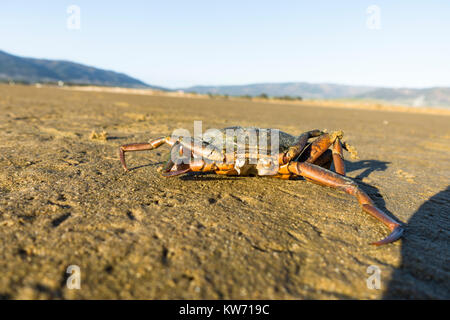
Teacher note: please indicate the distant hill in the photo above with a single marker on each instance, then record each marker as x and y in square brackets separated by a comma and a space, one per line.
[303, 89]
[42, 70]
[438, 97]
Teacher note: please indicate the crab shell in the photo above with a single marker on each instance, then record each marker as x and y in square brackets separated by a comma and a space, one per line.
[253, 151]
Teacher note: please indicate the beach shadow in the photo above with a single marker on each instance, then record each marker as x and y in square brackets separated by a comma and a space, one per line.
[425, 269]
[156, 164]
[116, 138]
[206, 176]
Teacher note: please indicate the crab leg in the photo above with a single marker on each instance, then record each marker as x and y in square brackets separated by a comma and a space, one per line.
[338, 157]
[321, 144]
[173, 169]
[325, 160]
[328, 178]
[302, 140]
[141, 147]
[318, 153]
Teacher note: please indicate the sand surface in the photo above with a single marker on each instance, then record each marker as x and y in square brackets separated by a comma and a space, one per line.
[64, 200]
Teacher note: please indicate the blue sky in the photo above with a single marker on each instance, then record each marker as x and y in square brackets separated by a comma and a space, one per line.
[183, 43]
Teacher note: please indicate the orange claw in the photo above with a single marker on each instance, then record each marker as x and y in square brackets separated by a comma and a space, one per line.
[132, 147]
[394, 236]
[143, 146]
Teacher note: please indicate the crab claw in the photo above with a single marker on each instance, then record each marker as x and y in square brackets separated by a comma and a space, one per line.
[177, 170]
[394, 236]
[132, 147]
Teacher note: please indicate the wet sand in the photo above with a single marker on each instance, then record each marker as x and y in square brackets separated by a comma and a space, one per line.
[64, 200]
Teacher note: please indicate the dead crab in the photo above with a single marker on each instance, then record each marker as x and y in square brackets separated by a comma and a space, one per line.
[295, 156]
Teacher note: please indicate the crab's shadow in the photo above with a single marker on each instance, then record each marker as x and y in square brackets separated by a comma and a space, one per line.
[369, 166]
[151, 164]
[206, 176]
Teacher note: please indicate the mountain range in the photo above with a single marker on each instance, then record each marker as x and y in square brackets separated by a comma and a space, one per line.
[437, 96]
[31, 70]
[302, 89]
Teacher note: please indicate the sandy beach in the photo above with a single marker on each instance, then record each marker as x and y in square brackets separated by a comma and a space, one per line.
[65, 200]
